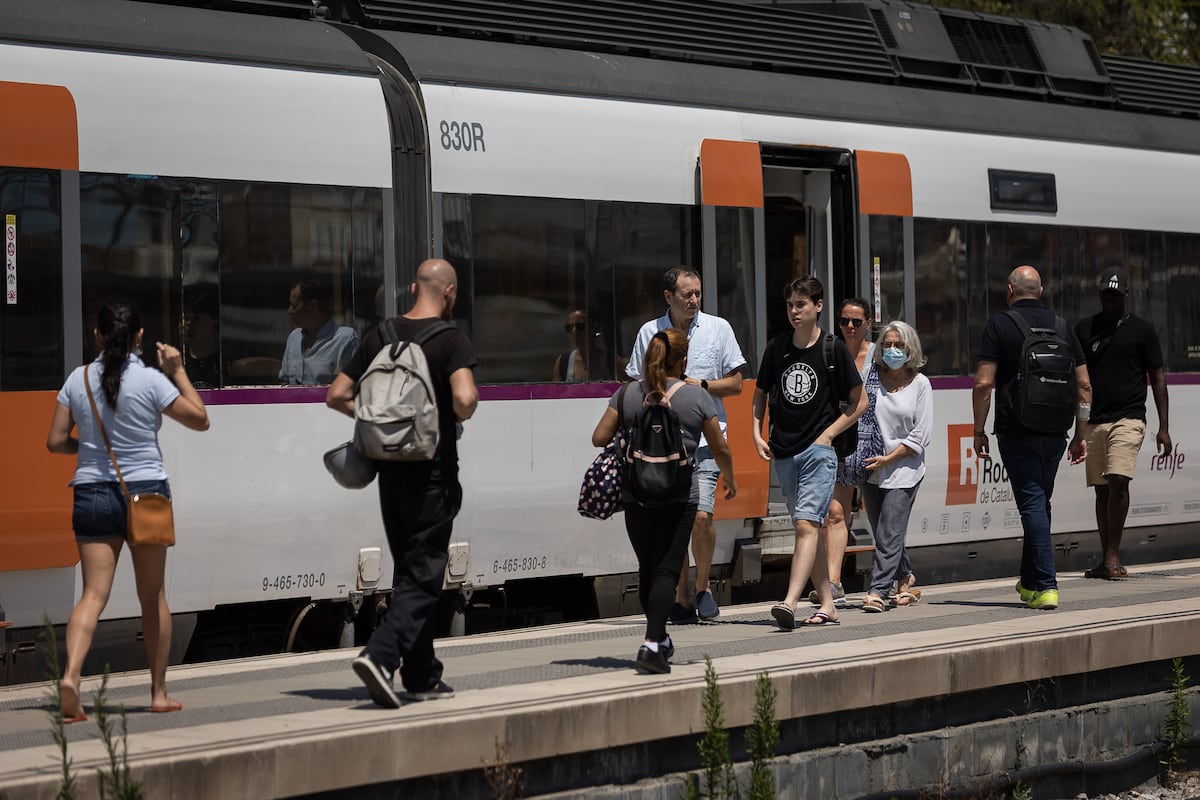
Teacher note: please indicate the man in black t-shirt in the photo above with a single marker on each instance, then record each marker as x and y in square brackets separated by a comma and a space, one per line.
[1031, 458]
[805, 419]
[419, 499]
[1122, 351]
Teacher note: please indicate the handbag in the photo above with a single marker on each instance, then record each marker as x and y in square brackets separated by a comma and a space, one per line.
[600, 493]
[149, 517]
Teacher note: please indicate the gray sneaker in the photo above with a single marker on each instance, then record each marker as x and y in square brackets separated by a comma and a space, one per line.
[377, 679]
[706, 606]
[839, 595]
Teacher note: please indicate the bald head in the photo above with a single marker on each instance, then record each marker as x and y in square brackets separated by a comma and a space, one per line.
[435, 289]
[1024, 283]
[435, 275]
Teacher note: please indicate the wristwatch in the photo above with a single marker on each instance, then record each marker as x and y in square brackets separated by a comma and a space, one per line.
[704, 384]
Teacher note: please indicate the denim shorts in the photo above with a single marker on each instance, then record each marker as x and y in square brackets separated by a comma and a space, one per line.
[708, 473]
[807, 482]
[99, 510]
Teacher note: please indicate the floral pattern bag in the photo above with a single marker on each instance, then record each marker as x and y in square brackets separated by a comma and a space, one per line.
[600, 494]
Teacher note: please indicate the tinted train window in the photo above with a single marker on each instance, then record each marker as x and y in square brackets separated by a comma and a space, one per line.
[1023, 191]
[735, 280]
[951, 293]
[211, 266]
[557, 289]
[31, 324]
[1179, 331]
[887, 245]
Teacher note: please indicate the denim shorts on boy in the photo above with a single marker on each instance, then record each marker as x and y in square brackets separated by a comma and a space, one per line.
[1112, 449]
[708, 473]
[807, 482]
[99, 508]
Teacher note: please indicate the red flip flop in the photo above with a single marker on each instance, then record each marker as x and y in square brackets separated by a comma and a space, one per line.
[80, 718]
[174, 706]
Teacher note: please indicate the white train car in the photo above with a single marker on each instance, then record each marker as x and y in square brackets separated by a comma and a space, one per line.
[204, 161]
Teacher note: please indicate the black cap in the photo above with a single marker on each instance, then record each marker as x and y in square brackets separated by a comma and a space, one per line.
[1115, 279]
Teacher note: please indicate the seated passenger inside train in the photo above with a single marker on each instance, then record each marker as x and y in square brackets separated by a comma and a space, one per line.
[317, 348]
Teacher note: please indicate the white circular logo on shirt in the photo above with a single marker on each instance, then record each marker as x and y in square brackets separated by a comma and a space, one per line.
[799, 383]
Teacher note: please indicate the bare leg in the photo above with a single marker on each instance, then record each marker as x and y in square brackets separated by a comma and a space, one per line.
[837, 530]
[704, 541]
[1116, 510]
[149, 567]
[98, 562]
[805, 562]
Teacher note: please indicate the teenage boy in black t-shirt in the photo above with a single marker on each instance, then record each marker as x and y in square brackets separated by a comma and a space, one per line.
[805, 419]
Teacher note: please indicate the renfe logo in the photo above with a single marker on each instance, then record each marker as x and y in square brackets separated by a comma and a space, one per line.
[962, 476]
[1167, 463]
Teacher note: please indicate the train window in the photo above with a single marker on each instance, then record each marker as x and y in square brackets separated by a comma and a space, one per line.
[887, 244]
[31, 323]
[951, 290]
[735, 280]
[211, 265]
[1180, 331]
[1023, 191]
[554, 289]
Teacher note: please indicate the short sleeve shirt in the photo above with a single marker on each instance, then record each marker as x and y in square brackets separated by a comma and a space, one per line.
[322, 360]
[1001, 345]
[132, 428]
[446, 353]
[692, 404]
[805, 394]
[713, 351]
[1120, 354]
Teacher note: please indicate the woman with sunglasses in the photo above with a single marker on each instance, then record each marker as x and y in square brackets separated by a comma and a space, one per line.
[587, 359]
[853, 325]
[903, 409]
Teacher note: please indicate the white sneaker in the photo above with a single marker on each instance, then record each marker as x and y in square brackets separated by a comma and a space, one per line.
[377, 680]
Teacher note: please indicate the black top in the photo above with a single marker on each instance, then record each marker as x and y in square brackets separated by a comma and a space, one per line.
[1001, 345]
[446, 353]
[1120, 355]
[805, 394]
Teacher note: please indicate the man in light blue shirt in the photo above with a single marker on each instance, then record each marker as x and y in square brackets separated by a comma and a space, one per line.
[318, 347]
[714, 364]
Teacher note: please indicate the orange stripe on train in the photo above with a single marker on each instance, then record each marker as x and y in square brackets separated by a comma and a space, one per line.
[41, 130]
[35, 512]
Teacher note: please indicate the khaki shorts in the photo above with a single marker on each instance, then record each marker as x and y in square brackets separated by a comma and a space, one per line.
[1112, 449]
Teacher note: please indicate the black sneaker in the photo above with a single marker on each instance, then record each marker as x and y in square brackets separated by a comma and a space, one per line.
[377, 680]
[667, 648]
[438, 691]
[651, 662]
[706, 606]
[681, 615]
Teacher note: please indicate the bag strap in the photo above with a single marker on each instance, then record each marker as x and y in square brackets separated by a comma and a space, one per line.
[671, 392]
[100, 424]
[831, 370]
[388, 333]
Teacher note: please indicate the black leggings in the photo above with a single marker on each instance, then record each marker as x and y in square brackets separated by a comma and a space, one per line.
[660, 539]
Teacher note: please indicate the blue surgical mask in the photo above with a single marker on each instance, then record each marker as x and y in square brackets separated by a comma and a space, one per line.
[895, 358]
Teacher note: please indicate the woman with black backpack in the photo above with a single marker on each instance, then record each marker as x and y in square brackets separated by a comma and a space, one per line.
[660, 490]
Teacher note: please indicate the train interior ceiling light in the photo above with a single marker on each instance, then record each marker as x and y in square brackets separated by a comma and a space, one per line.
[886, 41]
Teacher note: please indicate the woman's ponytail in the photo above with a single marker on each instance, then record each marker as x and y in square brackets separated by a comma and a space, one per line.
[664, 356]
[118, 323]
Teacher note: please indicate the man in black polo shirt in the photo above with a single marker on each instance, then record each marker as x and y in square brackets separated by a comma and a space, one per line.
[1122, 350]
[1031, 458]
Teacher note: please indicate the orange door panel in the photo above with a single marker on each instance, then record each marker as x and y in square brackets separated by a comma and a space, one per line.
[752, 473]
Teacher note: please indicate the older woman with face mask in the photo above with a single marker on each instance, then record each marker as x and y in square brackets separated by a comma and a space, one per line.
[903, 407]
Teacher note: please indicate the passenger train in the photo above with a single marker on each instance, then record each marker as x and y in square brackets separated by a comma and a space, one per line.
[203, 160]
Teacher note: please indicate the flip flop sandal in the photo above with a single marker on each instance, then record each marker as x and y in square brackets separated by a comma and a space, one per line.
[907, 598]
[784, 616]
[872, 605]
[821, 618]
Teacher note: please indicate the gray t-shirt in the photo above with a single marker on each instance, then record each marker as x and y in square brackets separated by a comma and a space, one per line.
[693, 406]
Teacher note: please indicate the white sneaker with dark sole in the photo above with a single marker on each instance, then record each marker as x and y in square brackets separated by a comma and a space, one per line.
[377, 680]
[438, 691]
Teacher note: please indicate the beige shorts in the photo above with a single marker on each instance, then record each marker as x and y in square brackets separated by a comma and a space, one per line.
[1112, 449]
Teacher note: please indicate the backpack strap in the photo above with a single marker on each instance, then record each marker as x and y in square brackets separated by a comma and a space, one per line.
[839, 393]
[671, 392]
[388, 333]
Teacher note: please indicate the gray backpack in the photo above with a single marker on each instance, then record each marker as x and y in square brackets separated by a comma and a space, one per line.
[395, 408]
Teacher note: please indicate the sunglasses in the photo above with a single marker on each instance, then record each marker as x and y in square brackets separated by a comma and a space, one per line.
[571, 327]
[857, 323]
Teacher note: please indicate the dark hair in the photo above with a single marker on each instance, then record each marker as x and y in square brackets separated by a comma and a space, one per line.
[806, 285]
[118, 323]
[672, 276]
[667, 350]
[205, 303]
[311, 290]
[856, 301]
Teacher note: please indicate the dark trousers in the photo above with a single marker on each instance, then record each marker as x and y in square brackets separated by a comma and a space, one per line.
[888, 510]
[419, 502]
[1032, 463]
[660, 539]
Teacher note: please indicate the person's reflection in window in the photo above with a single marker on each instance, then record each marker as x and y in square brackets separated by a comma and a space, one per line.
[201, 341]
[318, 347]
[588, 358]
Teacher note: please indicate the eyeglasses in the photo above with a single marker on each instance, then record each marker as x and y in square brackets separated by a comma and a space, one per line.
[571, 327]
[857, 323]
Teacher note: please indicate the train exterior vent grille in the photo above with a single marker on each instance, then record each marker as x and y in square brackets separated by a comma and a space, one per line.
[703, 31]
[994, 44]
[885, 30]
[1154, 86]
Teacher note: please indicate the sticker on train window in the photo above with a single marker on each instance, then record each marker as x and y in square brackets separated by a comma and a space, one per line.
[462, 135]
[1023, 191]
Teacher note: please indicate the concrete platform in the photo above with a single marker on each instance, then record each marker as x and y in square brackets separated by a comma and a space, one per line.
[560, 698]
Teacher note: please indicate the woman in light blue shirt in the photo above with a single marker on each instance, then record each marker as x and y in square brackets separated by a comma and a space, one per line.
[904, 415]
[131, 400]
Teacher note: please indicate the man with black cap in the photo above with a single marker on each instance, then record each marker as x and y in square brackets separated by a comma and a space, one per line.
[1121, 351]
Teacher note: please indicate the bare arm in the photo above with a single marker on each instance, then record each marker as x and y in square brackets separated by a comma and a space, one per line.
[606, 428]
[463, 393]
[1158, 385]
[728, 386]
[722, 455]
[340, 396]
[759, 412]
[981, 404]
[59, 439]
[187, 409]
[1077, 449]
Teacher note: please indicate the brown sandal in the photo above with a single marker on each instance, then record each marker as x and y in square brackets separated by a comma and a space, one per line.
[910, 598]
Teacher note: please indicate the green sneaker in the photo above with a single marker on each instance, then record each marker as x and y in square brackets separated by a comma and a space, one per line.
[1046, 600]
[1026, 594]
